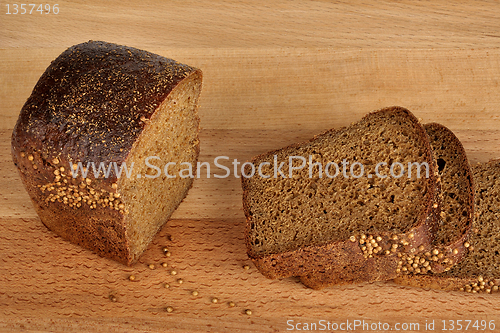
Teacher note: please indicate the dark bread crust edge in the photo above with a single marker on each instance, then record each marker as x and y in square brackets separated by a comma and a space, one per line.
[322, 266]
[458, 244]
[438, 281]
[43, 126]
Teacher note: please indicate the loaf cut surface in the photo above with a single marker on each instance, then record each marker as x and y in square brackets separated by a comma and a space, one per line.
[479, 269]
[351, 228]
[456, 202]
[113, 106]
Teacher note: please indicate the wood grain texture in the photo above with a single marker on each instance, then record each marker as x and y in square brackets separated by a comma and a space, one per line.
[312, 89]
[260, 24]
[274, 73]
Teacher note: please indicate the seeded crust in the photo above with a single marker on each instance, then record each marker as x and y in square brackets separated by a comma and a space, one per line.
[319, 261]
[457, 206]
[479, 269]
[102, 102]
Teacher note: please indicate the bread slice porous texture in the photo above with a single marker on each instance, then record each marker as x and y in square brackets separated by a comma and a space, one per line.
[456, 202]
[478, 271]
[332, 229]
[92, 139]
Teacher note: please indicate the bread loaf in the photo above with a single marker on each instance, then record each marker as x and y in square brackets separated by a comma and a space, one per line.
[104, 103]
[342, 230]
[478, 271]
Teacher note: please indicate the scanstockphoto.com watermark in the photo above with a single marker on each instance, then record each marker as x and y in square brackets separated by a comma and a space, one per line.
[361, 325]
[264, 170]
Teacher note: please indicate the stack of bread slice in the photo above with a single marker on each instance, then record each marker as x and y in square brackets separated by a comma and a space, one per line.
[351, 206]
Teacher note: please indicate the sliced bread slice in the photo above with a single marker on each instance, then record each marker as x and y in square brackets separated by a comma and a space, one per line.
[456, 200]
[304, 221]
[457, 206]
[479, 269]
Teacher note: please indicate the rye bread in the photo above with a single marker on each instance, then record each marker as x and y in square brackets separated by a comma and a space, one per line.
[478, 271]
[456, 201]
[351, 230]
[457, 206]
[105, 103]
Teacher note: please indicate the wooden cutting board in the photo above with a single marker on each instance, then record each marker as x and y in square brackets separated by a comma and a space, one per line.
[274, 74]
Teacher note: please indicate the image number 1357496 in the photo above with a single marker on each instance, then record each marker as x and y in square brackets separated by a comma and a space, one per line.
[30, 8]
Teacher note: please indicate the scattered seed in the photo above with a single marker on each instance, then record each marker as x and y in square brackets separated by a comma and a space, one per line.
[113, 298]
[169, 309]
[194, 293]
[352, 239]
[164, 264]
[151, 266]
[466, 244]
[180, 281]
[173, 272]
[214, 300]
[246, 267]
[131, 277]
[167, 285]
[248, 312]
[231, 304]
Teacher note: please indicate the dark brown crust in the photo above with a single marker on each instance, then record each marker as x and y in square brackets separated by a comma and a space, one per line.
[438, 282]
[90, 105]
[343, 262]
[457, 244]
[444, 281]
[433, 282]
[378, 268]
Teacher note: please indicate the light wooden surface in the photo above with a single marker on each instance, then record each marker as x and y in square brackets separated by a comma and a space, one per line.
[274, 73]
